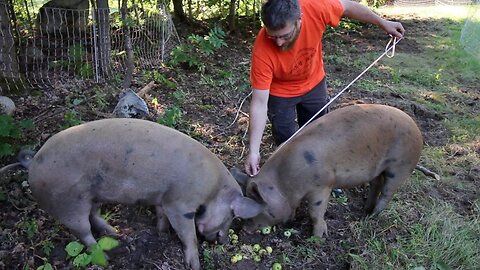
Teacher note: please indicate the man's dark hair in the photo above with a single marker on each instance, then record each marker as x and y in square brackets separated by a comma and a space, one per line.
[277, 13]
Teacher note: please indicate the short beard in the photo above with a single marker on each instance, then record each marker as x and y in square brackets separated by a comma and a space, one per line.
[289, 45]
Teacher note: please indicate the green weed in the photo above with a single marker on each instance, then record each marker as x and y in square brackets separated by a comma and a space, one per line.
[100, 100]
[208, 261]
[171, 117]
[179, 96]
[71, 118]
[11, 133]
[157, 76]
[198, 48]
[46, 265]
[94, 255]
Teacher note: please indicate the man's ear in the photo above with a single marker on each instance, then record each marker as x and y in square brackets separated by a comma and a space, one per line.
[244, 207]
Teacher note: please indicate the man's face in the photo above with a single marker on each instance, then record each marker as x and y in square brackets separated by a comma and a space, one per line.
[285, 38]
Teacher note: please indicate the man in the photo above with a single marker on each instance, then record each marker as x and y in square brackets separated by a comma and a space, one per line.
[287, 73]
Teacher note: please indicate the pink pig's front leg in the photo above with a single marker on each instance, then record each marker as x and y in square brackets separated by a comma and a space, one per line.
[185, 228]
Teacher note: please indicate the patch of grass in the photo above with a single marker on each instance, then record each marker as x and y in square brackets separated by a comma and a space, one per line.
[440, 239]
[409, 70]
[370, 85]
[423, 226]
[433, 104]
[464, 129]
[415, 184]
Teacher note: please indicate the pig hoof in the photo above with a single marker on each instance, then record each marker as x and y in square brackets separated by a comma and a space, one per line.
[320, 230]
[368, 210]
[193, 263]
[374, 215]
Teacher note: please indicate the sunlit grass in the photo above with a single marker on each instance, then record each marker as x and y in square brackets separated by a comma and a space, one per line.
[424, 227]
[440, 239]
[464, 129]
[436, 12]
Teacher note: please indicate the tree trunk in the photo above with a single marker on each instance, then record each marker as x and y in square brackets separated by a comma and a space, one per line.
[232, 15]
[127, 81]
[8, 56]
[104, 47]
[178, 10]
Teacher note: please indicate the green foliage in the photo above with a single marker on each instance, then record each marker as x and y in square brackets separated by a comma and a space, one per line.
[77, 62]
[208, 261]
[45, 266]
[157, 76]
[346, 25]
[179, 96]
[100, 100]
[11, 131]
[76, 53]
[94, 255]
[71, 118]
[183, 54]
[30, 227]
[171, 117]
[341, 199]
[198, 48]
[208, 44]
[47, 246]
[375, 3]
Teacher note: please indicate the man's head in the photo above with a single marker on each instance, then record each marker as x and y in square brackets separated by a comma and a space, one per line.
[282, 20]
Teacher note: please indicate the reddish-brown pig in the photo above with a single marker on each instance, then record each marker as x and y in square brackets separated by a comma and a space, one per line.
[354, 145]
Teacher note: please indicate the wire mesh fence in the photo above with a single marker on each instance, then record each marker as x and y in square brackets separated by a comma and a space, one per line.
[78, 46]
[470, 35]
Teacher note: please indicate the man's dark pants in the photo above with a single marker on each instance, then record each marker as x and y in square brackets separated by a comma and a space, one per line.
[282, 111]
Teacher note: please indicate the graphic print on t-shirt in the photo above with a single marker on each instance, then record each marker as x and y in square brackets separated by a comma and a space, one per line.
[302, 66]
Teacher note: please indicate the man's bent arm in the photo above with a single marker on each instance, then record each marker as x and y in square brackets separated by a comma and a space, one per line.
[357, 11]
[258, 120]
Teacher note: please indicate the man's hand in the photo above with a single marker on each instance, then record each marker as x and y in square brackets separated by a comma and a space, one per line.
[252, 164]
[393, 28]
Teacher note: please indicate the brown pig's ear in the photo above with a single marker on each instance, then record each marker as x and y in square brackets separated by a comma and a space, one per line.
[267, 193]
[241, 178]
[244, 207]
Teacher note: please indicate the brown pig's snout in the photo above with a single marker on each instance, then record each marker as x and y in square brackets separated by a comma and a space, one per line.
[219, 236]
[250, 227]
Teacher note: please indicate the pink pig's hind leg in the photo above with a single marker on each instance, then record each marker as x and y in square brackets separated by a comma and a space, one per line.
[163, 225]
[74, 214]
[98, 223]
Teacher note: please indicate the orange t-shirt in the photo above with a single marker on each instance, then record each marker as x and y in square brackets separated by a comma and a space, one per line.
[294, 72]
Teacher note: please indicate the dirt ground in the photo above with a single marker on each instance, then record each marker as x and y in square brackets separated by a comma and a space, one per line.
[213, 110]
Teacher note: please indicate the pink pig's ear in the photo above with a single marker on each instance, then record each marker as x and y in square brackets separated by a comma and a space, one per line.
[244, 207]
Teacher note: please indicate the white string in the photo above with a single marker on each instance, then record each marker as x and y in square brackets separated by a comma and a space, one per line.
[394, 39]
[239, 109]
[387, 49]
